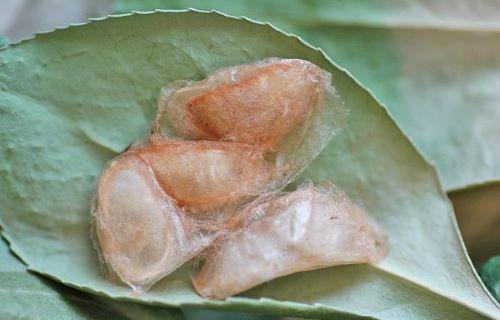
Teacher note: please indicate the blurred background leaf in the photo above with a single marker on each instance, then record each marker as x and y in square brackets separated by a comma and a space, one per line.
[482, 227]
[3, 41]
[490, 273]
[22, 18]
[202, 314]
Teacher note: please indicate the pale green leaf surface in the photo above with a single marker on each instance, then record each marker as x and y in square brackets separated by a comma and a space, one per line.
[435, 64]
[26, 296]
[72, 99]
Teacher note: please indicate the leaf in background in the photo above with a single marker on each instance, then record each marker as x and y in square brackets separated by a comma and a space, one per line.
[478, 211]
[3, 42]
[22, 18]
[203, 314]
[490, 273]
[435, 64]
[72, 99]
[27, 296]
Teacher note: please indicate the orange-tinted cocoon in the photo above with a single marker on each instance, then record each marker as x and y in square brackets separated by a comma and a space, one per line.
[205, 176]
[256, 104]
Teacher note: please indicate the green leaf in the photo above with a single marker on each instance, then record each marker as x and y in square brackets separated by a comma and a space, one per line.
[27, 296]
[435, 64]
[197, 314]
[72, 99]
[490, 273]
[3, 42]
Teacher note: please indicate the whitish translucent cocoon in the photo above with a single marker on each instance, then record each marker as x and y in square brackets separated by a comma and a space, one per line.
[307, 229]
[140, 232]
[286, 107]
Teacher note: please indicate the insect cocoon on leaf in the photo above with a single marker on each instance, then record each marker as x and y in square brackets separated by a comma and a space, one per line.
[287, 108]
[140, 232]
[277, 235]
[215, 146]
[207, 176]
